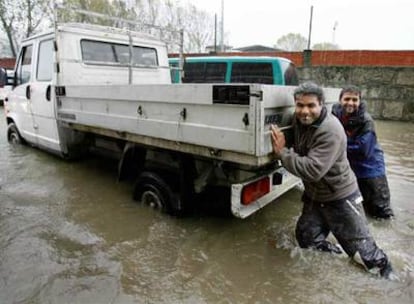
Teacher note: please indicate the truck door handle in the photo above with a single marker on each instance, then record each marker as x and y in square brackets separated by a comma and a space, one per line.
[48, 93]
[28, 92]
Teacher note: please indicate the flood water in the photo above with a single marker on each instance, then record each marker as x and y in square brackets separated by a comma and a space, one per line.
[69, 233]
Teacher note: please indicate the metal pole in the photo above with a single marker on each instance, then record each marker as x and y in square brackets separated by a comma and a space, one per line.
[310, 27]
[181, 61]
[215, 33]
[131, 55]
[222, 26]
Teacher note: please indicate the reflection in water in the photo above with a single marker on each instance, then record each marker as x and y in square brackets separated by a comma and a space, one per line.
[69, 233]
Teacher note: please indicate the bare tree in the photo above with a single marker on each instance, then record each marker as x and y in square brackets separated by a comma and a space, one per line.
[199, 29]
[292, 42]
[197, 25]
[22, 18]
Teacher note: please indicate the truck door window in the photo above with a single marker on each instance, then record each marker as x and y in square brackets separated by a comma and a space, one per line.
[24, 66]
[45, 61]
[252, 72]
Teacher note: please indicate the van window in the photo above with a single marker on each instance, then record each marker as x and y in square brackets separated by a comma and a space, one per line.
[94, 52]
[199, 72]
[272, 70]
[290, 73]
[252, 72]
[45, 61]
[24, 67]
[175, 72]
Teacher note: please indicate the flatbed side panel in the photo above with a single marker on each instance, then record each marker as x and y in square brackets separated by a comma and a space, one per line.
[185, 114]
[202, 151]
[167, 112]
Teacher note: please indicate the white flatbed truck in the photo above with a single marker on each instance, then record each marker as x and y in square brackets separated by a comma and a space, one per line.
[85, 87]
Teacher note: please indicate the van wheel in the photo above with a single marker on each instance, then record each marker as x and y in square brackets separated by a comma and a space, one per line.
[150, 189]
[13, 135]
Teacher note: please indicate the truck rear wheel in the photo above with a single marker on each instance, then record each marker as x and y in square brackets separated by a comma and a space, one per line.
[13, 135]
[152, 190]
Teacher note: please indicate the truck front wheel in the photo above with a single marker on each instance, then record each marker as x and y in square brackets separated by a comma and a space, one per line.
[150, 189]
[13, 135]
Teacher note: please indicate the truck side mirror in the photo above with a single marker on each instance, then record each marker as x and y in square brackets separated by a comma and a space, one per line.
[3, 77]
[6, 79]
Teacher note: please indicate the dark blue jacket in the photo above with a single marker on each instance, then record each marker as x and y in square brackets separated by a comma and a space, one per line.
[364, 153]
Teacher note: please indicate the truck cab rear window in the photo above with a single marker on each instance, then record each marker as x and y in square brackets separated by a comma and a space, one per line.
[98, 52]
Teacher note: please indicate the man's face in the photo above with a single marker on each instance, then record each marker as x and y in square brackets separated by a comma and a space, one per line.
[350, 102]
[307, 109]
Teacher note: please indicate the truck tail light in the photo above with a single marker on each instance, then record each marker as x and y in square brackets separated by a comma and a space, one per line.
[255, 190]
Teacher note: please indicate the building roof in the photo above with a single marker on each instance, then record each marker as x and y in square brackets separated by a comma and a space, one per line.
[257, 48]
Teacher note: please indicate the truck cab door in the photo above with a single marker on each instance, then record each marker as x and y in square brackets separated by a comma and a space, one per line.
[19, 102]
[41, 96]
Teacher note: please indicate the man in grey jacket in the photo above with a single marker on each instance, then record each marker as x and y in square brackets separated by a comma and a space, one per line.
[332, 201]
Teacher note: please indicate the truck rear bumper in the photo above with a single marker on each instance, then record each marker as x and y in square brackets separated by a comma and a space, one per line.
[277, 187]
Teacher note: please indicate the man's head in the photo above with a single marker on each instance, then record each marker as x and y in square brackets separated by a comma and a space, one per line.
[350, 99]
[309, 100]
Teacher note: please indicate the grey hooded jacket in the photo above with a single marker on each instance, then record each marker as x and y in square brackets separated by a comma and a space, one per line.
[319, 158]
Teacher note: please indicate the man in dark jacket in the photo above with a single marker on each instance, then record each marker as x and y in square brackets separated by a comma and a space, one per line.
[332, 201]
[364, 153]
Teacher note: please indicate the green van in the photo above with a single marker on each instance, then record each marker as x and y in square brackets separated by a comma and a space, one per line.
[235, 69]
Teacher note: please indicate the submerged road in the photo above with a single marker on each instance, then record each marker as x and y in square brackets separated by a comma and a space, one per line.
[69, 233]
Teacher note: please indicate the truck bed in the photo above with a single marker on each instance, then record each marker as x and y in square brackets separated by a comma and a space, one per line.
[226, 122]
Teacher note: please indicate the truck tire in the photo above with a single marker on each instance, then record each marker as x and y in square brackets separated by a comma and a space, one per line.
[152, 190]
[13, 135]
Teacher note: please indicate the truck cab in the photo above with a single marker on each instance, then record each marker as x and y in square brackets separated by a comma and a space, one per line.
[75, 54]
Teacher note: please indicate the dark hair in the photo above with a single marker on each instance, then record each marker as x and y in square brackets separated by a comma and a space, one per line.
[309, 88]
[350, 89]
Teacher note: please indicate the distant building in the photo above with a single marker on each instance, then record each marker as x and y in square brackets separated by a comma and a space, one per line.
[217, 48]
[7, 63]
[257, 48]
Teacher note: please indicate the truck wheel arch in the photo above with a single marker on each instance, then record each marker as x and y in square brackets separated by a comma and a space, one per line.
[13, 135]
[131, 162]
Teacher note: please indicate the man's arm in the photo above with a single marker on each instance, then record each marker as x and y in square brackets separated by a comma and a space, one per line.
[278, 140]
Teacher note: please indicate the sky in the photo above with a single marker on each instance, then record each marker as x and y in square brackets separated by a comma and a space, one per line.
[360, 24]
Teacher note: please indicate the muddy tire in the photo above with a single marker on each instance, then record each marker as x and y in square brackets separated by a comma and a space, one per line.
[13, 135]
[151, 189]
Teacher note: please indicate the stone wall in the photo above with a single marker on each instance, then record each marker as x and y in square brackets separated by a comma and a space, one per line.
[386, 77]
[388, 91]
